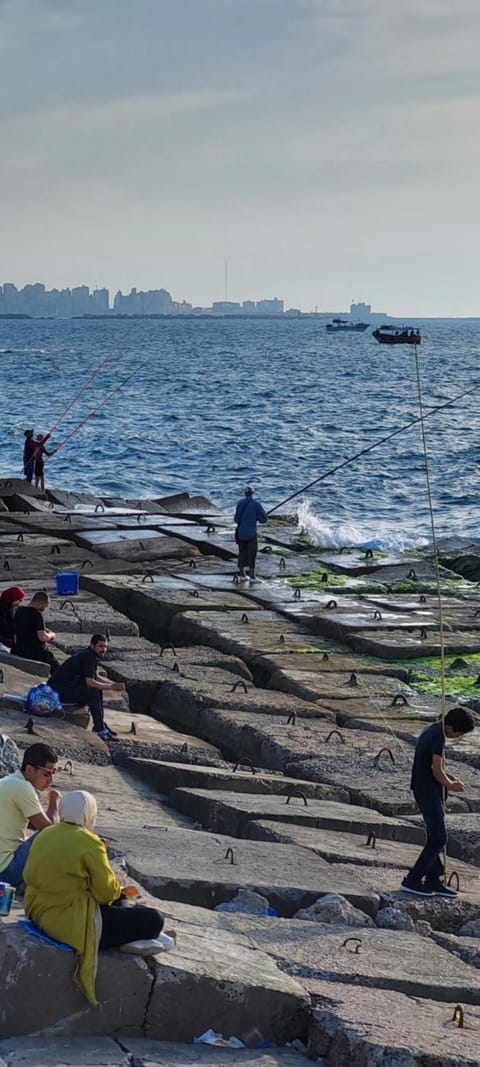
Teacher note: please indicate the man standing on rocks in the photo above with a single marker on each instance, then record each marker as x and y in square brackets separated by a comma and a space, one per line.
[76, 682]
[430, 784]
[248, 512]
[20, 809]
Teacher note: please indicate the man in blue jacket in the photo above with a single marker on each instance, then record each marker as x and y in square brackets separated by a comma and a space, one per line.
[248, 512]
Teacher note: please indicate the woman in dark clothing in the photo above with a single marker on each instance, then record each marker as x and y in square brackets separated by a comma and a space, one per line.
[9, 602]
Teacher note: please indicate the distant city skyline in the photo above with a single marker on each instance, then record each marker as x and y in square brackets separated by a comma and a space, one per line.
[328, 149]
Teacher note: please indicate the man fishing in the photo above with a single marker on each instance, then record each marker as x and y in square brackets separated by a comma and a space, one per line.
[248, 512]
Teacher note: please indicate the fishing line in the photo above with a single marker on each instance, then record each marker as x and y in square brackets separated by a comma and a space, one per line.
[380, 441]
[103, 402]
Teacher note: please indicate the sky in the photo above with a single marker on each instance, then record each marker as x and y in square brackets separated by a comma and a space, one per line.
[328, 150]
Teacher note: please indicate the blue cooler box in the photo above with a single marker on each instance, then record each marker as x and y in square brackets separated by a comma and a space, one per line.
[67, 583]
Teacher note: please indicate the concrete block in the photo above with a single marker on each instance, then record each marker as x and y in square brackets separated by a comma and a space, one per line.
[59, 1052]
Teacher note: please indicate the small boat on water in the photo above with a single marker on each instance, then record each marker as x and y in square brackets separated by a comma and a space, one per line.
[344, 326]
[393, 335]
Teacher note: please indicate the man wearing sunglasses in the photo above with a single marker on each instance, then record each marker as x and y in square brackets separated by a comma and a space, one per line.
[21, 809]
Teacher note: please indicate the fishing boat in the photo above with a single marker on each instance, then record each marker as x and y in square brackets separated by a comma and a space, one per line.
[393, 335]
[344, 326]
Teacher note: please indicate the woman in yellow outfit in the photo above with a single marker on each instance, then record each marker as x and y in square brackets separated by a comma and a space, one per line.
[72, 892]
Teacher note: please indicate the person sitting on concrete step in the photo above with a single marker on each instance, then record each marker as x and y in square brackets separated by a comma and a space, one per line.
[31, 634]
[76, 682]
[10, 600]
[72, 892]
[247, 513]
[21, 809]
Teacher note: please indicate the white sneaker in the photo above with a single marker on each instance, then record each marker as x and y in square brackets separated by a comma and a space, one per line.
[150, 947]
[242, 578]
[253, 579]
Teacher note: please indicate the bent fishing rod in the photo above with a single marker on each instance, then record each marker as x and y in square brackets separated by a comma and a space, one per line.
[375, 444]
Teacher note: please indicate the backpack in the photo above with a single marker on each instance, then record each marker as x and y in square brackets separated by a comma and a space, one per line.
[9, 755]
[43, 701]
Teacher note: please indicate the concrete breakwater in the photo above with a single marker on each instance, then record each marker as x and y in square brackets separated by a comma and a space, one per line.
[262, 761]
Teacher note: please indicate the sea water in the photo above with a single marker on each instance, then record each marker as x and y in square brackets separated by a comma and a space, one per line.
[274, 403]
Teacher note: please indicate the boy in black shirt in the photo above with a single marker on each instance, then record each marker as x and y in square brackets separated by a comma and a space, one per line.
[31, 635]
[429, 780]
[76, 682]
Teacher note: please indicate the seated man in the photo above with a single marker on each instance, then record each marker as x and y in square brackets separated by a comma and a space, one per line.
[76, 682]
[31, 634]
[20, 808]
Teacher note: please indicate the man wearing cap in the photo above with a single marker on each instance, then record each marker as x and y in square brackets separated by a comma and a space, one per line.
[248, 512]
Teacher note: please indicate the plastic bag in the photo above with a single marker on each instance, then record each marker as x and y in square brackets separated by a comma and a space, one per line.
[43, 701]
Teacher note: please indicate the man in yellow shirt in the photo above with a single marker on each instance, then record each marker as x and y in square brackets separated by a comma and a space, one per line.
[20, 809]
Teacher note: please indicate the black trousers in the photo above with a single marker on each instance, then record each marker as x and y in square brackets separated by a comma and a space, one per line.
[121, 925]
[76, 693]
[247, 554]
[429, 864]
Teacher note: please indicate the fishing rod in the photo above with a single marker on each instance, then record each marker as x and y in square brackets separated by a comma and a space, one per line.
[102, 403]
[369, 448]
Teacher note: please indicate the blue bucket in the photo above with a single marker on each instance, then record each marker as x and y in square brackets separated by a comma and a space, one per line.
[67, 583]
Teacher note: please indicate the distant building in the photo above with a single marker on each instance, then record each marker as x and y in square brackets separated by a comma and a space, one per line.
[360, 312]
[270, 307]
[226, 307]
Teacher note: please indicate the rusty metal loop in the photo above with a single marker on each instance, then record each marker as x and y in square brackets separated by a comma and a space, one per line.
[133, 729]
[281, 640]
[281, 563]
[357, 941]
[244, 761]
[20, 537]
[147, 578]
[292, 719]
[55, 549]
[235, 579]
[454, 875]
[87, 563]
[372, 840]
[339, 735]
[423, 599]
[353, 680]
[29, 726]
[68, 767]
[51, 505]
[70, 604]
[165, 647]
[141, 517]
[389, 753]
[210, 528]
[7, 485]
[297, 594]
[244, 618]
[332, 604]
[193, 592]
[1, 675]
[369, 553]
[377, 615]
[296, 793]
[476, 613]
[67, 518]
[325, 657]
[6, 565]
[184, 748]
[268, 549]
[423, 634]
[399, 699]
[324, 577]
[230, 856]
[236, 684]
[192, 563]
[176, 668]
[459, 1016]
[99, 507]
[412, 575]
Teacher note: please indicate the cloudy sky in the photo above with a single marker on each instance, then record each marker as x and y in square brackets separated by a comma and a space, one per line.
[328, 149]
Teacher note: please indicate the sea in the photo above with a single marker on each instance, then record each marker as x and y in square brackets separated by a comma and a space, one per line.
[212, 405]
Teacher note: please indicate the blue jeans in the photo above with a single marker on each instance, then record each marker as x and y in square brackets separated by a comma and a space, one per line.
[429, 864]
[13, 874]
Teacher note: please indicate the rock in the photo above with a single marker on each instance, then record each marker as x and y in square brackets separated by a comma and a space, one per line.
[246, 901]
[423, 928]
[394, 919]
[470, 929]
[333, 908]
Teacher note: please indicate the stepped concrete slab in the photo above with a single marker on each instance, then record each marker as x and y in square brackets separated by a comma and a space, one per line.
[150, 685]
[379, 775]
[232, 813]
[69, 614]
[387, 882]
[216, 978]
[105, 1052]
[15, 666]
[353, 1025]
[123, 802]
[199, 710]
[154, 740]
[259, 632]
[400, 646]
[166, 777]
[338, 624]
[196, 868]
[345, 848]
[68, 741]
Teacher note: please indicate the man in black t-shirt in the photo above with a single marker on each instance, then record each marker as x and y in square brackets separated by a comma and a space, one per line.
[31, 634]
[429, 781]
[76, 682]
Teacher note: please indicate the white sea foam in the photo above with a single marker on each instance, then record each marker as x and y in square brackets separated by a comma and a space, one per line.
[329, 534]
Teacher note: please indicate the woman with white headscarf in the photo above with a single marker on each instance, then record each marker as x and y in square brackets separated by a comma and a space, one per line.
[71, 890]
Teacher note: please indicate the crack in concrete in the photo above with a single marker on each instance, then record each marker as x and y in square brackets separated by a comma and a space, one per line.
[151, 965]
[134, 1061]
